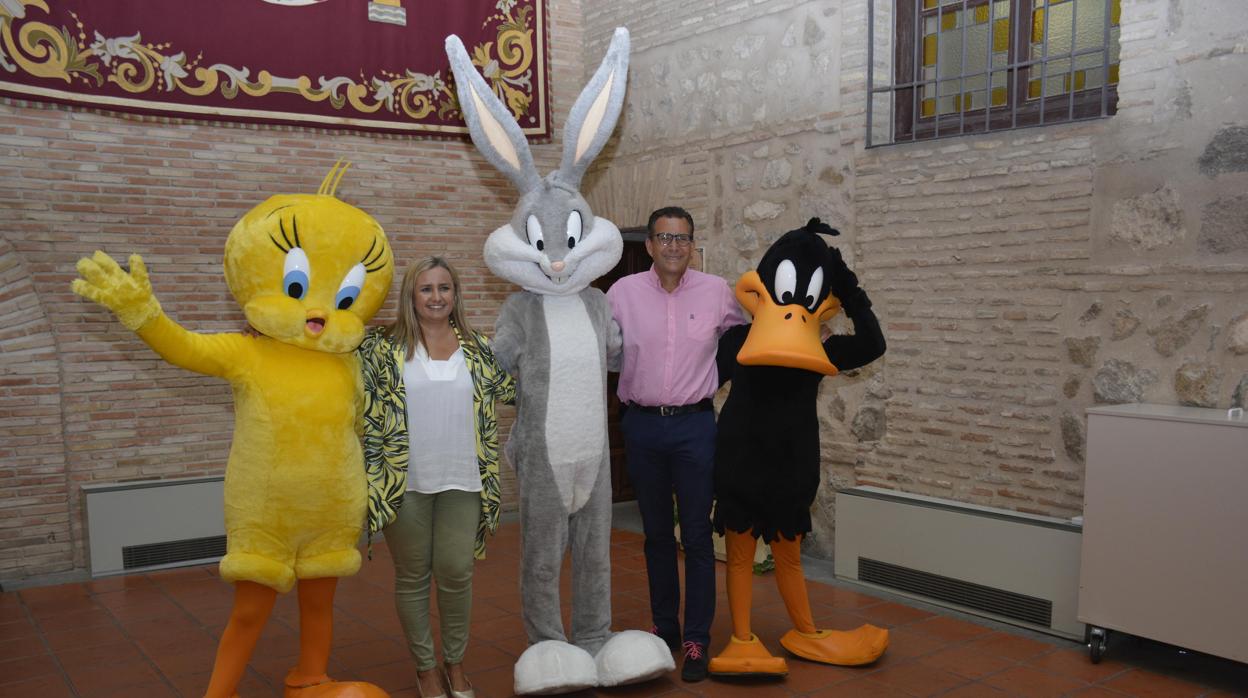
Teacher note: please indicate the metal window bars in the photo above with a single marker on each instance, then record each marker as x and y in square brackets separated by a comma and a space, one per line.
[1024, 71]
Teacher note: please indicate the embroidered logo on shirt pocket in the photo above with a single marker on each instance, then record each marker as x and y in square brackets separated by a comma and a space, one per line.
[700, 326]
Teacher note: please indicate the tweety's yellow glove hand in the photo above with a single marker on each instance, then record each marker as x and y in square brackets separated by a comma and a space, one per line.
[128, 295]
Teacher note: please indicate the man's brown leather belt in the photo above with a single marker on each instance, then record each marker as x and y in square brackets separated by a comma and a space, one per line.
[673, 410]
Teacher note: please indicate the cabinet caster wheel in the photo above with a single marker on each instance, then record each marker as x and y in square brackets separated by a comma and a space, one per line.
[1097, 638]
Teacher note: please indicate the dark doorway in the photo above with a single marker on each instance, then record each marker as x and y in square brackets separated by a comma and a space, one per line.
[634, 259]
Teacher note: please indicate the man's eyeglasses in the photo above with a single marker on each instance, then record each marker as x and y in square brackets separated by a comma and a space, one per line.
[681, 239]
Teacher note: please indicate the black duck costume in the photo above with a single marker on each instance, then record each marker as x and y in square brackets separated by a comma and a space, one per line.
[767, 456]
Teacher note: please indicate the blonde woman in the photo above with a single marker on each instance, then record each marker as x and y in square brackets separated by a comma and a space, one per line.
[431, 451]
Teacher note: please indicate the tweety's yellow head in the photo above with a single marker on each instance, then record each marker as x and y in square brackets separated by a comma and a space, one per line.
[308, 269]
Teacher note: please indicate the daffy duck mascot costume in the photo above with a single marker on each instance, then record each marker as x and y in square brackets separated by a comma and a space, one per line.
[309, 271]
[767, 456]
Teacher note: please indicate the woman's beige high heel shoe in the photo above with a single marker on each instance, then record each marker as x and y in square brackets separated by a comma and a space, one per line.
[421, 691]
[451, 687]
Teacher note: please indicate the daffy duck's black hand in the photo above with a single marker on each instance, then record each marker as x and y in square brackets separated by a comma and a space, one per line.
[844, 284]
[848, 352]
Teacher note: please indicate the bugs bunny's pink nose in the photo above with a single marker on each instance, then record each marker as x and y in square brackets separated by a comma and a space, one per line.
[557, 266]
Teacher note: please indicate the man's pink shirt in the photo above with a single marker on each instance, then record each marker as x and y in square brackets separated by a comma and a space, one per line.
[670, 338]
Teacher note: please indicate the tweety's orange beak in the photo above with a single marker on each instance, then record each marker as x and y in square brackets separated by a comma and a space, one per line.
[783, 335]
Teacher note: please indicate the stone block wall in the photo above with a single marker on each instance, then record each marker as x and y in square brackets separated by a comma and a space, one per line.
[81, 399]
[1021, 276]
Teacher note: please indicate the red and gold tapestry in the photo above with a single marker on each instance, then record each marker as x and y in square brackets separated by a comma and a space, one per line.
[373, 65]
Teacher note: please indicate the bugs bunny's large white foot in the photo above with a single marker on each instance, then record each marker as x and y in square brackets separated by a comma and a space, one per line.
[632, 656]
[551, 667]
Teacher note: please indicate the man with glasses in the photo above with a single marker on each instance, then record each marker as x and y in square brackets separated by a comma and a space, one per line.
[671, 318]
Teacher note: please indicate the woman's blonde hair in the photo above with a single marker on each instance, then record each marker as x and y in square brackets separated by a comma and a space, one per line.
[405, 330]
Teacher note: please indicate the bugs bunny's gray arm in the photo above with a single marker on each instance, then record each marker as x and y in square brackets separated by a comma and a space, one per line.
[508, 343]
[615, 346]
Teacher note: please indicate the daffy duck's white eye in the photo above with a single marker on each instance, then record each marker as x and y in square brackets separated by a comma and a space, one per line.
[786, 282]
[813, 289]
[349, 290]
[296, 273]
[533, 229]
[574, 229]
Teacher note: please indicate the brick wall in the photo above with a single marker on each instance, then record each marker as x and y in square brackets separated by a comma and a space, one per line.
[34, 513]
[1021, 276]
[81, 399]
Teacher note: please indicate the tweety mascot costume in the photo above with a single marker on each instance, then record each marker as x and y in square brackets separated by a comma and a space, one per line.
[309, 271]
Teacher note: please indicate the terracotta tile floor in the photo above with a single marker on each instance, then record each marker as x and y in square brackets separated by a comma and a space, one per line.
[155, 635]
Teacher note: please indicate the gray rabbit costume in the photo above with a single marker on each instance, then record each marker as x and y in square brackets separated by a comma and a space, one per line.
[557, 337]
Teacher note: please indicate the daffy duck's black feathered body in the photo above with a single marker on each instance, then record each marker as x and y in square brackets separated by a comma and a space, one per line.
[767, 457]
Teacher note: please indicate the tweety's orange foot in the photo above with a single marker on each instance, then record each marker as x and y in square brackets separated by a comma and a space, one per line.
[747, 658]
[862, 645]
[328, 688]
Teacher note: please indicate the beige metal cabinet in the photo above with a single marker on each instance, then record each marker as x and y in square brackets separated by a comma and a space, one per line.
[1165, 529]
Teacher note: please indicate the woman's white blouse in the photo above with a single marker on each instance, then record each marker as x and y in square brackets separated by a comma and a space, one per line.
[442, 453]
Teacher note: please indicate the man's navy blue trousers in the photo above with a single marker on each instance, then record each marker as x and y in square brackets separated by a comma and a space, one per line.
[666, 455]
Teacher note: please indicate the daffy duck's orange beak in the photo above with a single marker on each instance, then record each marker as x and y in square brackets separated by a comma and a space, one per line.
[783, 335]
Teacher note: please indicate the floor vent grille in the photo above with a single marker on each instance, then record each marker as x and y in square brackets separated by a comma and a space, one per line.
[1028, 609]
[170, 552]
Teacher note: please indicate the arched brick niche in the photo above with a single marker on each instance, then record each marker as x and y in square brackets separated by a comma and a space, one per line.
[35, 533]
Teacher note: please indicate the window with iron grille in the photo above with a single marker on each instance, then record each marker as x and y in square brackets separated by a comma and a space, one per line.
[952, 67]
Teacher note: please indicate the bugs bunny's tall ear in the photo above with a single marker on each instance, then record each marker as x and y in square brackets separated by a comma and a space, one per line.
[493, 129]
[594, 115]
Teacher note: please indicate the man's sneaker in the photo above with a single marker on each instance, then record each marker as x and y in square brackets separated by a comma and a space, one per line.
[672, 641]
[694, 668]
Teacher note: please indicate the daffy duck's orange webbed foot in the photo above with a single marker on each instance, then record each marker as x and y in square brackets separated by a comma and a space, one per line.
[862, 645]
[747, 658]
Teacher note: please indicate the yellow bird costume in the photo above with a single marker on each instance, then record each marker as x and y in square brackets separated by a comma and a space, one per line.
[309, 271]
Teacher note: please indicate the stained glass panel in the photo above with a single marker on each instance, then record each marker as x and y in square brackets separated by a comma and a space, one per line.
[1065, 27]
[974, 66]
[960, 48]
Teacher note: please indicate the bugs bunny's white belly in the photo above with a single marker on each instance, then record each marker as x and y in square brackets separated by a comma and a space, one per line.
[575, 404]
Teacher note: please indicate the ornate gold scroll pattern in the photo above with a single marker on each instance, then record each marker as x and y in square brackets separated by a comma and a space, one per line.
[82, 54]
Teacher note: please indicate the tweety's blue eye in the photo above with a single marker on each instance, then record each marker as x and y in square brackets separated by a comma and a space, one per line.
[349, 290]
[295, 273]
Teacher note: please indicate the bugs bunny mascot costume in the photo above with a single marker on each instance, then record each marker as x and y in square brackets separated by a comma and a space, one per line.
[555, 336]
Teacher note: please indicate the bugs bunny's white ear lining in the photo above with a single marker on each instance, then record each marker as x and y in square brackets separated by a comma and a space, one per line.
[493, 129]
[501, 140]
[594, 115]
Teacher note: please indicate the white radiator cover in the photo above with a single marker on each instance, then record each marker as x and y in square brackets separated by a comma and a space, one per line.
[1015, 568]
[181, 521]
